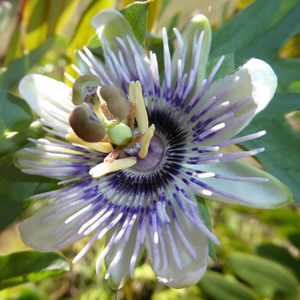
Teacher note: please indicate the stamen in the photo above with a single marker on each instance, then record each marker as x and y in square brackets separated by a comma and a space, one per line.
[111, 157]
[116, 101]
[136, 96]
[131, 116]
[106, 112]
[99, 146]
[146, 141]
[118, 164]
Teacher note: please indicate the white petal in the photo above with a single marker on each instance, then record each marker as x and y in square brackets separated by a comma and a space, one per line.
[45, 95]
[38, 235]
[271, 194]
[191, 271]
[23, 159]
[256, 79]
[197, 24]
[110, 24]
[264, 82]
[121, 271]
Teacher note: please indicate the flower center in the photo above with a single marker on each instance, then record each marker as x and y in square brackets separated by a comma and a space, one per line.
[113, 131]
[154, 157]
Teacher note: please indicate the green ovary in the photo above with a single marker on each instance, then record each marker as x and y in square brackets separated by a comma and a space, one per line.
[119, 134]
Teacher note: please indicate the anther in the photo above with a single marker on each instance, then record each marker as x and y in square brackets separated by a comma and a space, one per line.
[116, 101]
[85, 129]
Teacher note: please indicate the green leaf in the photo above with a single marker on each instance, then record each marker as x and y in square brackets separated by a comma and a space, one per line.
[21, 267]
[282, 256]
[206, 218]
[219, 288]
[295, 240]
[45, 18]
[21, 66]
[227, 66]
[84, 31]
[136, 14]
[95, 47]
[265, 277]
[288, 72]
[14, 143]
[260, 30]
[282, 143]
[270, 24]
[15, 114]
[15, 188]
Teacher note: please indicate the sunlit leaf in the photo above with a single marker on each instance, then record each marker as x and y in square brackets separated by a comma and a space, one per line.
[154, 8]
[21, 267]
[84, 32]
[136, 14]
[219, 288]
[45, 18]
[15, 188]
[15, 114]
[265, 277]
[13, 49]
[10, 144]
[23, 292]
[17, 70]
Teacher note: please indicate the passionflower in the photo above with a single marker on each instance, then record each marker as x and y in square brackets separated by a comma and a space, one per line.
[132, 152]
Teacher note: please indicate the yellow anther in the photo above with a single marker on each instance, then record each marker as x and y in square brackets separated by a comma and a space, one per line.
[101, 147]
[118, 164]
[136, 96]
[146, 141]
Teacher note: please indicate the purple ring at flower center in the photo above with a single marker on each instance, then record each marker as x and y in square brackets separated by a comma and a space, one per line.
[154, 157]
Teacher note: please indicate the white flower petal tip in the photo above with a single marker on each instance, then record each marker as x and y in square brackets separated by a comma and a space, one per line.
[110, 21]
[43, 94]
[182, 280]
[200, 19]
[264, 82]
[266, 192]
